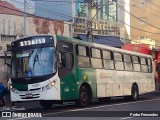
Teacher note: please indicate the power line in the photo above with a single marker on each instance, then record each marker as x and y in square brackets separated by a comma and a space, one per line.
[51, 1]
[147, 6]
[69, 24]
[132, 26]
[46, 10]
[134, 5]
[29, 14]
[156, 5]
[136, 17]
[22, 12]
[50, 19]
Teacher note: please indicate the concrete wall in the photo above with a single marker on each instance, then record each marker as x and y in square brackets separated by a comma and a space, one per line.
[149, 11]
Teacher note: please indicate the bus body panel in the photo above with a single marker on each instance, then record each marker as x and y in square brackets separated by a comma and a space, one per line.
[37, 91]
[87, 75]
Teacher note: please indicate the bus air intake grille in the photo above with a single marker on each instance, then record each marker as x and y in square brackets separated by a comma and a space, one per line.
[23, 96]
[30, 97]
[34, 89]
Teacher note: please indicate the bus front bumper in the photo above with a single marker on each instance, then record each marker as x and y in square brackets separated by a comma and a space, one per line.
[49, 94]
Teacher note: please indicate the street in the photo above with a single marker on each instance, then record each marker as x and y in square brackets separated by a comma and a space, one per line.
[116, 109]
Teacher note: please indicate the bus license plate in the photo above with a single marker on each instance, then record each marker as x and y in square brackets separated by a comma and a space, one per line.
[28, 95]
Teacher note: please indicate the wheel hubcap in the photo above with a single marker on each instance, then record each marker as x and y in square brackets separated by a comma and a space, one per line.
[84, 97]
[135, 94]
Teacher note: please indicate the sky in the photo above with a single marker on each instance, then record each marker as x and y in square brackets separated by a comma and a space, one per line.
[30, 5]
[52, 10]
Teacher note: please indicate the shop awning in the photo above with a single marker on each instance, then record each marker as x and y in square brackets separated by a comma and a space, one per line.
[105, 40]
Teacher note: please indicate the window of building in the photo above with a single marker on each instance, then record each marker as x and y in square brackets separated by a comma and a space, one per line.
[8, 38]
[108, 10]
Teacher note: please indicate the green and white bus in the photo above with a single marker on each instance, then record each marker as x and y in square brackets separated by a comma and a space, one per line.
[52, 69]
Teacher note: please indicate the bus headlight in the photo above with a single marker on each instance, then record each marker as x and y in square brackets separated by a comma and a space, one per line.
[50, 85]
[10, 87]
[13, 89]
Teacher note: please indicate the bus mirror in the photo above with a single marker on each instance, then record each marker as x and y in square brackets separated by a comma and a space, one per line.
[7, 60]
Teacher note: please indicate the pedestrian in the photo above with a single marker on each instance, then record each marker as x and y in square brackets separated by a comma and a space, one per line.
[3, 91]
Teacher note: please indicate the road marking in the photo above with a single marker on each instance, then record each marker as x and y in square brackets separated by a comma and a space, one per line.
[17, 119]
[117, 104]
[126, 118]
[43, 115]
[103, 106]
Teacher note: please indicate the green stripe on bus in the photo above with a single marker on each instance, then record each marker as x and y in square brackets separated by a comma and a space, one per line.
[20, 86]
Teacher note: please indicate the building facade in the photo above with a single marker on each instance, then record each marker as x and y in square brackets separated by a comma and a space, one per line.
[102, 12]
[147, 20]
[123, 19]
[68, 9]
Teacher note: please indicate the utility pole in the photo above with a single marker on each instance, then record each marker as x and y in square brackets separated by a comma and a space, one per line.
[89, 21]
[25, 17]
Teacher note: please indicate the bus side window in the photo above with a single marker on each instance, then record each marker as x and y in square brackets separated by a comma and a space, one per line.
[136, 63]
[149, 65]
[127, 62]
[118, 61]
[144, 66]
[96, 58]
[108, 60]
[83, 59]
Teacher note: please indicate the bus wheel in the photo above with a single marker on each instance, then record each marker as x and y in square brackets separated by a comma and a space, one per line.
[46, 103]
[134, 93]
[84, 98]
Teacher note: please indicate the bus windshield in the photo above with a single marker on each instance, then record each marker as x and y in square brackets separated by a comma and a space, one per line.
[33, 62]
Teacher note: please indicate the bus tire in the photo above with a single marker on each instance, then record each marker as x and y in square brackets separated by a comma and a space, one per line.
[134, 93]
[46, 103]
[84, 97]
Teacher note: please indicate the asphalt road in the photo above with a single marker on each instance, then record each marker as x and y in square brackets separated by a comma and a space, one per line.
[147, 106]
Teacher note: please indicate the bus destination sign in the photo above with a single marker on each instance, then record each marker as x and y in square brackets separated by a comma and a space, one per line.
[33, 42]
[30, 41]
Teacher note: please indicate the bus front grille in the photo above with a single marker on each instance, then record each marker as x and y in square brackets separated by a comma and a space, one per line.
[32, 96]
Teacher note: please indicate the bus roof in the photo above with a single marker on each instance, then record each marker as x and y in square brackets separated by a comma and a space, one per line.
[30, 36]
[90, 44]
[105, 47]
